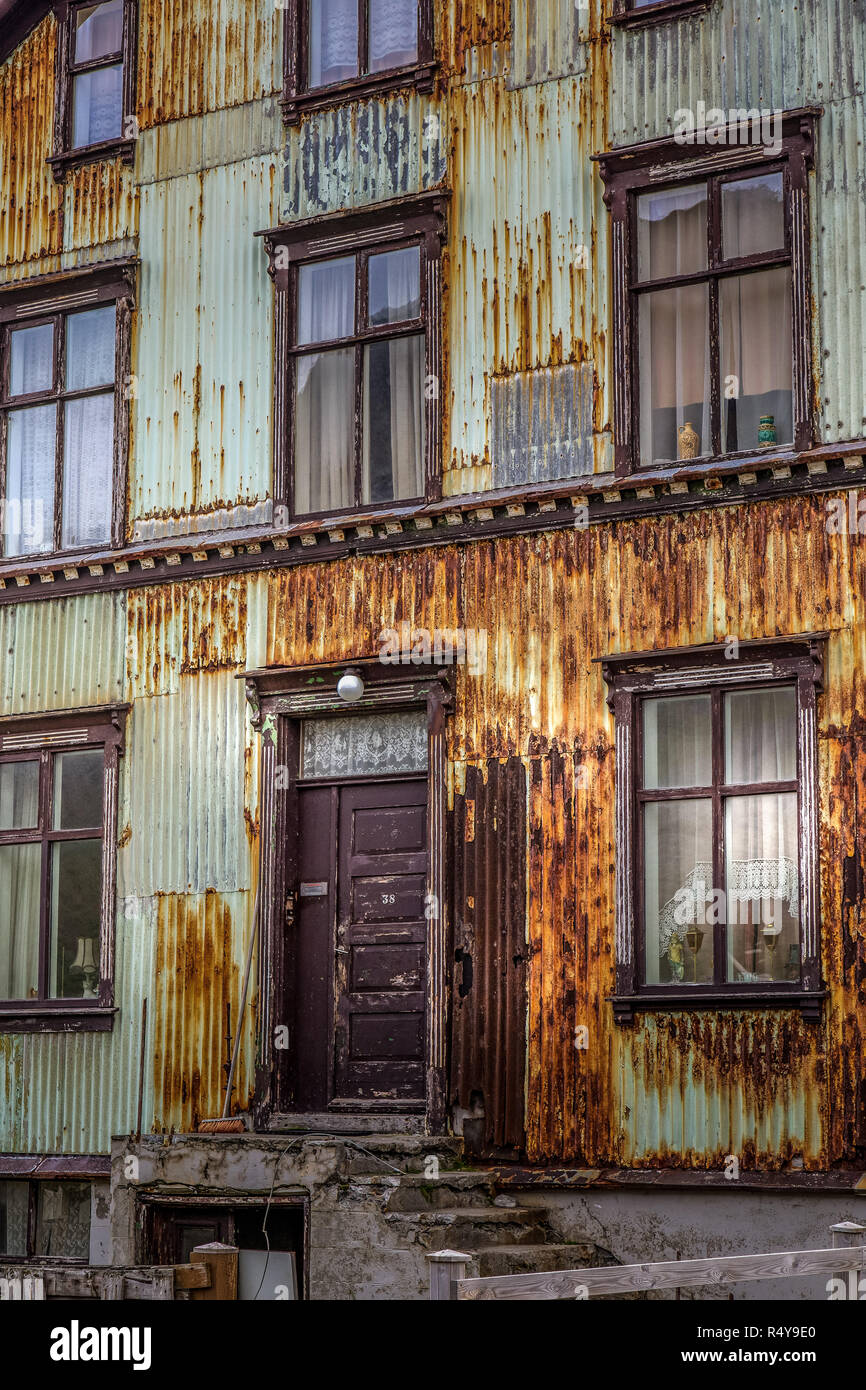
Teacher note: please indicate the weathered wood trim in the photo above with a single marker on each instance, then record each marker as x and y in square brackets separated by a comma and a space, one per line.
[719, 1271]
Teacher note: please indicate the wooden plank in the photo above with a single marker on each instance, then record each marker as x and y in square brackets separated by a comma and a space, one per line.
[222, 1262]
[191, 1277]
[719, 1271]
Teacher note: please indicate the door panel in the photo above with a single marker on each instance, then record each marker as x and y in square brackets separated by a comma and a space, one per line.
[357, 948]
[381, 943]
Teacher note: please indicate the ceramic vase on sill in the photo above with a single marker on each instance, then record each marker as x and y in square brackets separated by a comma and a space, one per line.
[766, 430]
[688, 441]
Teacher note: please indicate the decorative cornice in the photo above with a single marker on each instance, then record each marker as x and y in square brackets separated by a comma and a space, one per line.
[575, 503]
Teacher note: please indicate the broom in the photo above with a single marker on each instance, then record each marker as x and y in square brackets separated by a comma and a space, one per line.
[225, 1125]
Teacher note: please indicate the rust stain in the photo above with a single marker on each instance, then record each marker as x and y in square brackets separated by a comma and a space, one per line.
[31, 202]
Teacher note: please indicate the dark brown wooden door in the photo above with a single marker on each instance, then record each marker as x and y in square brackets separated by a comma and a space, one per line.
[359, 954]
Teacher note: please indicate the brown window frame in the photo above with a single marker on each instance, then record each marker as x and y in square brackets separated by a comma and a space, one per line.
[665, 164]
[421, 221]
[633, 678]
[299, 97]
[65, 155]
[51, 299]
[43, 736]
[32, 1185]
[628, 15]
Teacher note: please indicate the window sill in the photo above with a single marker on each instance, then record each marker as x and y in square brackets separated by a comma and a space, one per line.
[809, 1002]
[419, 76]
[65, 1019]
[660, 13]
[124, 150]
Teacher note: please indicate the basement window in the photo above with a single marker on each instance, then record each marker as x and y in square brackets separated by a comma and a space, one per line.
[717, 855]
[340, 49]
[45, 1220]
[712, 336]
[58, 790]
[358, 359]
[95, 83]
[63, 414]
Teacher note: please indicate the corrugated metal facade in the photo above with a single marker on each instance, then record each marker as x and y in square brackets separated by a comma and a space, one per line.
[522, 102]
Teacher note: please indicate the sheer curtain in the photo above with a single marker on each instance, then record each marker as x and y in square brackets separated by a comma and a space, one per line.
[19, 886]
[88, 453]
[393, 33]
[325, 388]
[31, 454]
[333, 49]
[673, 324]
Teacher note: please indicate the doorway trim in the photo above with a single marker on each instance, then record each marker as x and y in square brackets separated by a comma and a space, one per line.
[279, 699]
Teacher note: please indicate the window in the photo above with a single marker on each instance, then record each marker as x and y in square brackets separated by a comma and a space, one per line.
[45, 1220]
[712, 335]
[357, 419]
[95, 95]
[716, 832]
[640, 12]
[58, 780]
[337, 48]
[62, 416]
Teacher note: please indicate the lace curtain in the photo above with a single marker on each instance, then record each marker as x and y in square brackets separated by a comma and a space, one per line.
[19, 884]
[364, 745]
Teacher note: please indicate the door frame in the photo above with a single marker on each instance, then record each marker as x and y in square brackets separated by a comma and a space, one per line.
[279, 699]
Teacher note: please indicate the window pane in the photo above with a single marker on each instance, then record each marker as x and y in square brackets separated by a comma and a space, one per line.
[677, 742]
[756, 353]
[14, 1208]
[98, 30]
[393, 33]
[394, 420]
[76, 895]
[19, 796]
[324, 431]
[78, 790]
[364, 744]
[90, 342]
[672, 232]
[761, 736]
[326, 300]
[678, 895]
[333, 47]
[31, 453]
[32, 360]
[673, 327]
[88, 471]
[63, 1219]
[19, 921]
[97, 106]
[762, 888]
[395, 286]
[753, 216]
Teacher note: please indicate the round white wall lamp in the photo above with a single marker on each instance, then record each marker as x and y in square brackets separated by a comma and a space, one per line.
[350, 687]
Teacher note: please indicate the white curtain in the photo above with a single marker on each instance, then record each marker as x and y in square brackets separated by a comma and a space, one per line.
[31, 452]
[673, 325]
[394, 419]
[325, 388]
[97, 106]
[88, 453]
[333, 48]
[393, 33]
[19, 885]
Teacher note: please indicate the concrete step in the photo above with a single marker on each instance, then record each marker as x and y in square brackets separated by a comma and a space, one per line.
[375, 1155]
[496, 1260]
[418, 1193]
[469, 1228]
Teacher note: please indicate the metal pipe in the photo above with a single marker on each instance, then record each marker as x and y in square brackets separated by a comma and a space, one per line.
[237, 1047]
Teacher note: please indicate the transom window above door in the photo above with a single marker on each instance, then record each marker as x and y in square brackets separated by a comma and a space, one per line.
[358, 358]
[354, 47]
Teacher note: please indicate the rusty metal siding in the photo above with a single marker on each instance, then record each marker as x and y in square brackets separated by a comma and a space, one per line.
[488, 1001]
[30, 200]
[201, 433]
[777, 56]
[62, 654]
[199, 57]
